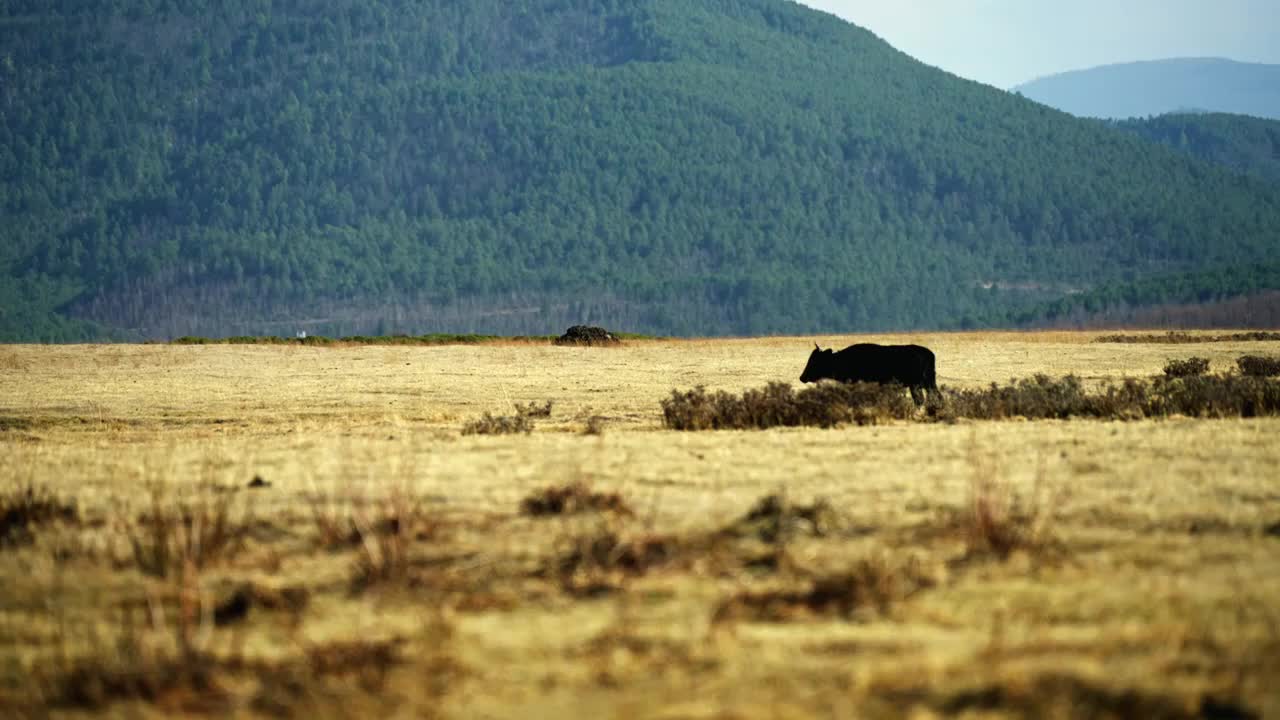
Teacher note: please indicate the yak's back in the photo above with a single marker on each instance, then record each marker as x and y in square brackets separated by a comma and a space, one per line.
[870, 362]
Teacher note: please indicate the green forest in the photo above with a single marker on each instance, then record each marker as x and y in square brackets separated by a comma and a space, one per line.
[1243, 143]
[676, 167]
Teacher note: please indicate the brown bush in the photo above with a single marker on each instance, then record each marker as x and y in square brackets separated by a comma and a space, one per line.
[499, 425]
[1190, 367]
[533, 410]
[598, 561]
[1214, 396]
[774, 519]
[1000, 523]
[1259, 366]
[1180, 338]
[572, 498]
[191, 531]
[777, 404]
[1036, 398]
[386, 535]
[872, 584]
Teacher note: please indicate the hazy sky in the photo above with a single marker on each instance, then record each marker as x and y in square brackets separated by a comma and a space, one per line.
[1006, 42]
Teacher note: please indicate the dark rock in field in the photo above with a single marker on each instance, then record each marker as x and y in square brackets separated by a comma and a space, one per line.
[1273, 529]
[258, 482]
[235, 607]
[587, 335]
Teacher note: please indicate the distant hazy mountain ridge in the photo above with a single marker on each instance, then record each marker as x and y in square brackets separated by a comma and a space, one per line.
[1141, 89]
[710, 167]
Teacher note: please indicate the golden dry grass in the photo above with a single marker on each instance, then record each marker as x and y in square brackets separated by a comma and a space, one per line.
[387, 567]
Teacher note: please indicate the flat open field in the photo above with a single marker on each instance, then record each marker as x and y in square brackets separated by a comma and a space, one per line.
[390, 565]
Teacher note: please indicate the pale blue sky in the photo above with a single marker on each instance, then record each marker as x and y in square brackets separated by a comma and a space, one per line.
[1007, 42]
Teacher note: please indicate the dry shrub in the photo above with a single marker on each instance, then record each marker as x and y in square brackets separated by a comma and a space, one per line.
[1038, 397]
[1059, 695]
[873, 584]
[594, 426]
[597, 561]
[1259, 366]
[774, 519]
[998, 522]
[318, 682]
[534, 410]
[368, 659]
[189, 531]
[131, 668]
[1190, 367]
[1213, 396]
[1181, 338]
[385, 538]
[576, 497]
[25, 506]
[777, 404]
[489, 424]
[1042, 397]
[159, 653]
[335, 528]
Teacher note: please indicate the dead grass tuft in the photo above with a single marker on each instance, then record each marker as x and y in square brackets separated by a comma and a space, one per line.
[386, 537]
[998, 522]
[774, 519]
[129, 672]
[1061, 695]
[594, 426]
[598, 561]
[320, 680]
[191, 531]
[575, 497]
[488, 424]
[873, 585]
[25, 506]
[159, 653]
[534, 410]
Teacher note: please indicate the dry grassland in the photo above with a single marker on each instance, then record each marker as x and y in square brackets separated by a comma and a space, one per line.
[386, 567]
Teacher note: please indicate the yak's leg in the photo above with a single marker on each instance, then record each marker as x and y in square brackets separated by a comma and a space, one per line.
[917, 394]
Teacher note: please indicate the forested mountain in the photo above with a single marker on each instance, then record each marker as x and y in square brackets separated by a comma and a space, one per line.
[1158, 87]
[174, 167]
[1242, 143]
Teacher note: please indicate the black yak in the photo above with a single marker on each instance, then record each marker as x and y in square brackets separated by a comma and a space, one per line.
[909, 365]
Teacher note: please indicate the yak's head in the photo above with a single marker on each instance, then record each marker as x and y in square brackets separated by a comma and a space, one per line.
[818, 365]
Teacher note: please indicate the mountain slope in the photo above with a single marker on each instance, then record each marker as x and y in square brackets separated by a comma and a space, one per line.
[670, 166]
[1242, 143]
[1142, 89]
